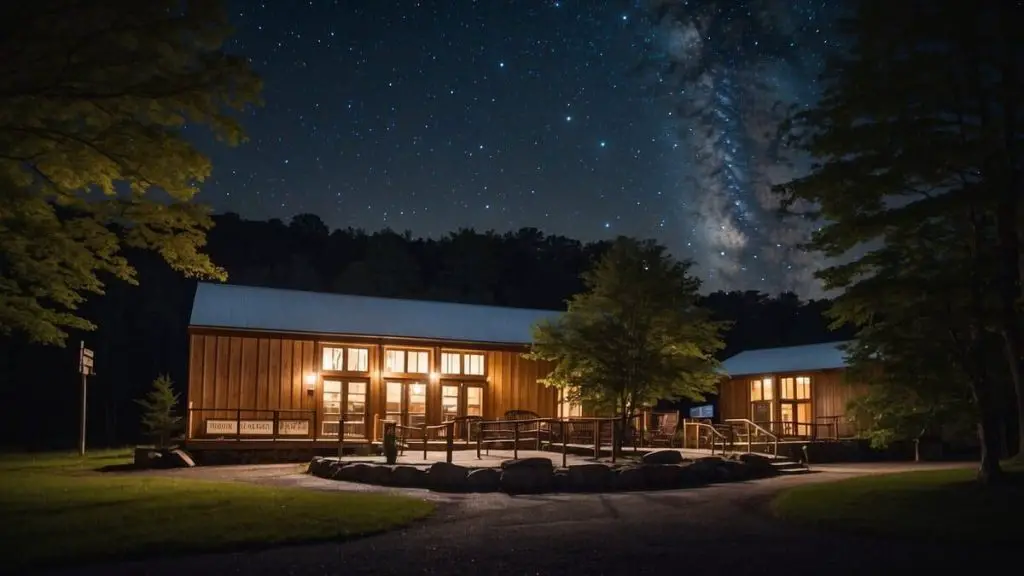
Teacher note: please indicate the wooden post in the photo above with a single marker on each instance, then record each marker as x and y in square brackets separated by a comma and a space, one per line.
[238, 425]
[597, 438]
[277, 424]
[341, 437]
[537, 424]
[515, 440]
[748, 437]
[449, 438]
[615, 438]
[423, 430]
[81, 423]
[479, 439]
[565, 442]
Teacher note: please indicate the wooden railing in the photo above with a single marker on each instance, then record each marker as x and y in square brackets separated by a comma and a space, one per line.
[405, 435]
[749, 429]
[704, 430]
[553, 432]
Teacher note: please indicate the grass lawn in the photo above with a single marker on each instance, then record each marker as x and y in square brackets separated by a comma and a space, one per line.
[58, 508]
[934, 504]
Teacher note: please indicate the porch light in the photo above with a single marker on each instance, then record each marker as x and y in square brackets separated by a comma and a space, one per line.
[417, 389]
[434, 376]
[311, 380]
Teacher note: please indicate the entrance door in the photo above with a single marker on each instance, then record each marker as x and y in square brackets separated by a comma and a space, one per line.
[796, 418]
[460, 400]
[344, 398]
[761, 413]
[406, 403]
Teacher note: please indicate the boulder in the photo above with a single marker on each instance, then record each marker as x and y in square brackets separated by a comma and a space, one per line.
[379, 474]
[756, 466]
[484, 480]
[590, 478]
[407, 477]
[630, 478]
[528, 479]
[662, 476]
[706, 469]
[560, 480]
[315, 466]
[663, 457]
[537, 462]
[162, 458]
[357, 472]
[445, 477]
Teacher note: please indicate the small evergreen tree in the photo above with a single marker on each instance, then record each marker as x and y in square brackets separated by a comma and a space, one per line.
[158, 417]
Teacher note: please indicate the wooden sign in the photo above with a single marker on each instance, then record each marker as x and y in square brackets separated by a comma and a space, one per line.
[85, 361]
[257, 427]
[293, 427]
[214, 427]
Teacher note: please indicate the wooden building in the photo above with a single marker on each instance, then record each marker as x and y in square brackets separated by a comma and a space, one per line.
[272, 367]
[797, 392]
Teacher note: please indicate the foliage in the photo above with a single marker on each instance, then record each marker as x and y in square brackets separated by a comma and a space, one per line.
[905, 186]
[637, 334]
[94, 101]
[158, 418]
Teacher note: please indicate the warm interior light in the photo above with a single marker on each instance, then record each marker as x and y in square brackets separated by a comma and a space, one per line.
[311, 380]
[417, 389]
[435, 376]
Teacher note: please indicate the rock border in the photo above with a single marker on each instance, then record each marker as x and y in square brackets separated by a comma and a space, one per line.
[657, 470]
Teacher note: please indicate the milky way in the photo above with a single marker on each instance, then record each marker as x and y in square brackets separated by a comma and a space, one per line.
[733, 68]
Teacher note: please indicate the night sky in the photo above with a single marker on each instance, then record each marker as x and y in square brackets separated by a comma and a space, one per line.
[587, 119]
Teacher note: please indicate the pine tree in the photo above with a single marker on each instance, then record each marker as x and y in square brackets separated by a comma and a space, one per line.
[636, 335]
[93, 100]
[158, 418]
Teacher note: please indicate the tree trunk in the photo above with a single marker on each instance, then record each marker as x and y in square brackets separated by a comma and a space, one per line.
[989, 471]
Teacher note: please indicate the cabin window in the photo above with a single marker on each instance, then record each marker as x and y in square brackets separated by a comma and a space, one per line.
[473, 364]
[339, 358]
[761, 390]
[407, 361]
[798, 388]
[451, 363]
[449, 402]
[474, 401]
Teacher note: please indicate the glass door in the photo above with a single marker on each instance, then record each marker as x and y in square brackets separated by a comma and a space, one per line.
[348, 398]
[406, 403]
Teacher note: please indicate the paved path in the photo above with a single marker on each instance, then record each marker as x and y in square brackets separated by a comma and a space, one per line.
[720, 529]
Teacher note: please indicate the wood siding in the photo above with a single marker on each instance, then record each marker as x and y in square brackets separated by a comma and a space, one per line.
[830, 393]
[260, 374]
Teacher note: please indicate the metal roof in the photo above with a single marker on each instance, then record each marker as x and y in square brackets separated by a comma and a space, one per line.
[825, 356]
[272, 309]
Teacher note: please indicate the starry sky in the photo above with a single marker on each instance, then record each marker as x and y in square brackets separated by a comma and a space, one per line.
[582, 118]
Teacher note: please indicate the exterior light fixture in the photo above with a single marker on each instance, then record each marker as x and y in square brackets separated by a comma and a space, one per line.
[311, 381]
[434, 376]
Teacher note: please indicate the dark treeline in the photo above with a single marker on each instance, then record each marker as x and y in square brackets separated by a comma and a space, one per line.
[142, 329]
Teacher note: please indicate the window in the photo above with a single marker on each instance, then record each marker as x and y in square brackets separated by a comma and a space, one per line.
[474, 401]
[333, 358]
[332, 401]
[355, 409]
[393, 402]
[449, 402]
[798, 388]
[761, 389]
[568, 408]
[358, 359]
[473, 364]
[407, 361]
[417, 404]
[419, 362]
[451, 363]
[394, 360]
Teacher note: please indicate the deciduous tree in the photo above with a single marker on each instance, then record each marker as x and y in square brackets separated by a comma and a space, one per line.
[918, 127]
[94, 98]
[635, 335]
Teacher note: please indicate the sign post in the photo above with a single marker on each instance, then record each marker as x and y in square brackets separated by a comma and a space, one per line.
[85, 368]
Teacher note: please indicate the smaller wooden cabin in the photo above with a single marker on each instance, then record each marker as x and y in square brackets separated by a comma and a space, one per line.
[272, 368]
[796, 392]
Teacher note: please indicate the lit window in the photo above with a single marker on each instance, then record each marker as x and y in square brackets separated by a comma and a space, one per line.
[358, 360]
[798, 388]
[474, 401]
[333, 358]
[449, 402]
[760, 389]
[394, 360]
[803, 387]
[419, 362]
[451, 363]
[473, 364]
